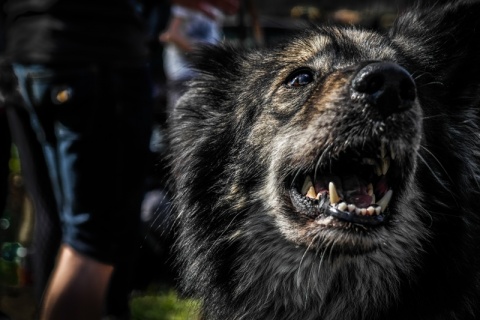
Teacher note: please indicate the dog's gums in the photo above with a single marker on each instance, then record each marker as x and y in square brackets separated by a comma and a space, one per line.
[353, 190]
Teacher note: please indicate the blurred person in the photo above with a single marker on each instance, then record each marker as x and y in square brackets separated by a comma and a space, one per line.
[82, 73]
[5, 138]
[191, 23]
[47, 226]
[15, 129]
[5, 145]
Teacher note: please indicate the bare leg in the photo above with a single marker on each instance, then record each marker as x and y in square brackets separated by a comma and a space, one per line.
[77, 288]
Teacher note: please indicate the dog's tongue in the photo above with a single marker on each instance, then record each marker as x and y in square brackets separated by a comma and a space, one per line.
[355, 191]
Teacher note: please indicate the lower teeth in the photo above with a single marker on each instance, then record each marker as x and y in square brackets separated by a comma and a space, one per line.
[374, 209]
[332, 199]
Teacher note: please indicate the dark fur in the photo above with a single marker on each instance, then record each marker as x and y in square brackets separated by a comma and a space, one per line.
[240, 133]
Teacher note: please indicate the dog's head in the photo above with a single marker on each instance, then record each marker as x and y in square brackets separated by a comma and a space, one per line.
[339, 140]
[334, 136]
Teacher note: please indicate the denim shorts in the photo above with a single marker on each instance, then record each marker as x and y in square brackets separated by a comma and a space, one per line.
[94, 125]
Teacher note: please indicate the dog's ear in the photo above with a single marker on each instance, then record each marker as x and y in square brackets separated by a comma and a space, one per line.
[442, 45]
[218, 60]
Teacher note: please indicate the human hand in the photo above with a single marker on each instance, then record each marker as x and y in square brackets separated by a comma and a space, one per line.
[174, 35]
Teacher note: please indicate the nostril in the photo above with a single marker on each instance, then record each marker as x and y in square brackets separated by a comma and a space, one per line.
[407, 89]
[386, 86]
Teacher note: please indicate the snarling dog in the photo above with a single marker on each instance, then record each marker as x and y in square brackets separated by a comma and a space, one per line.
[336, 175]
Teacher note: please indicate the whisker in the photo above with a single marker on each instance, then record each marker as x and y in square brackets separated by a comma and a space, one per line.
[431, 83]
[439, 179]
[430, 168]
[321, 159]
[433, 117]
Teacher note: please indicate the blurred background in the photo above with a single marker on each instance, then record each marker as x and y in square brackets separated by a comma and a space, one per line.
[258, 23]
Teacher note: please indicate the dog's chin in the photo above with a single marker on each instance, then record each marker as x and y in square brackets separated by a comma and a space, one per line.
[347, 204]
[337, 234]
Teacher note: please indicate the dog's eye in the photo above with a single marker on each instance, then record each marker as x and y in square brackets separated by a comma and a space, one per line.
[299, 78]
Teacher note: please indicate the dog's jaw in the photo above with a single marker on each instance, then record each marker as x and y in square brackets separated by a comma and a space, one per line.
[354, 190]
[346, 170]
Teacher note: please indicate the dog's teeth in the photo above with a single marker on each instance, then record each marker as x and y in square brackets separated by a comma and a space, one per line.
[370, 210]
[378, 210]
[378, 170]
[385, 200]
[382, 150]
[351, 207]
[393, 155]
[358, 211]
[370, 189]
[332, 190]
[342, 206]
[373, 199]
[311, 193]
[307, 184]
[385, 165]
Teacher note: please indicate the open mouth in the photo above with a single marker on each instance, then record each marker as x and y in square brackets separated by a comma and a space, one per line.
[354, 187]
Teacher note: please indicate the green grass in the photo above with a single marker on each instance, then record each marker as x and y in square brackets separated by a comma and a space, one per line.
[163, 305]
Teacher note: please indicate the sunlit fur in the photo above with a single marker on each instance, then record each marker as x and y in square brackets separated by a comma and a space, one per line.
[240, 132]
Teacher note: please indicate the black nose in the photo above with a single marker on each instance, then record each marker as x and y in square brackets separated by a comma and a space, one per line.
[386, 86]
